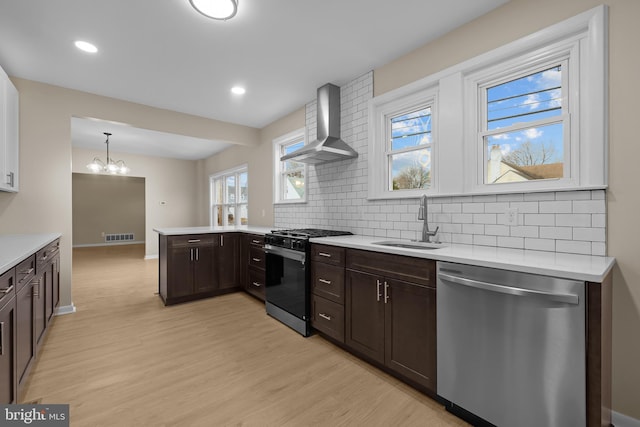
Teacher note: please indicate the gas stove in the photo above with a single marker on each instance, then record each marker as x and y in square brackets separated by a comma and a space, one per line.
[298, 239]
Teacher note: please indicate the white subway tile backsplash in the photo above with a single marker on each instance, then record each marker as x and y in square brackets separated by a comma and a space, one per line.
[337, 198]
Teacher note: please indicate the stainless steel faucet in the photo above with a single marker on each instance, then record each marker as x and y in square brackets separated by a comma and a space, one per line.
[422, 216]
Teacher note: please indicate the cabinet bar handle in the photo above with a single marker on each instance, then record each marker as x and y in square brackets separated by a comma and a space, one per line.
[324, 254]
[7, 290]
[190, 254]
[197, 254]
[36, 292]
[324, 316]
[221, 240]
[386, 292]
[1, 338]
[325, 281]
[378, 294]
[193, 240]
[27, 272]
[256, 284]
[257, 242]
[256, 259]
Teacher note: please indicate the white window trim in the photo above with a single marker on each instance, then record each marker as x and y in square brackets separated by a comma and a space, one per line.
[457, 112]
[293, 136]
[381, 110]
[212, 178]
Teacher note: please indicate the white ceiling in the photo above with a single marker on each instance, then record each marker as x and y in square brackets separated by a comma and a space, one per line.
[165, 54]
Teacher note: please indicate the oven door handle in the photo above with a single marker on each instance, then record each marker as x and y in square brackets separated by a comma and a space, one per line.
[285, 253]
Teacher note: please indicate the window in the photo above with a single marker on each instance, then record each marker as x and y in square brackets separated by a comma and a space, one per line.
[290, 176]
[407, 148]
[229, 198]
[524, 122]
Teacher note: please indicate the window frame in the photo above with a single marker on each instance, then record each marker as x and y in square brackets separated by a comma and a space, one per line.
[381, 112]
[458, 166]
[237, 204]
[279, 171]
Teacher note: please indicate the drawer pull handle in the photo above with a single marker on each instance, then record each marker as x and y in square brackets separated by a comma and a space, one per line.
[194, 240]
[27, 272]
[324, 316]
[257, 242]
[324, 254]
[378, 294]
[6, 291]
[325, 281]
[386, 292]
[257, 284]
[256, 259]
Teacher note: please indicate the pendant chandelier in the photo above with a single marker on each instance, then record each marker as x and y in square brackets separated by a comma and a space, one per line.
[216, 9]
[110, 166]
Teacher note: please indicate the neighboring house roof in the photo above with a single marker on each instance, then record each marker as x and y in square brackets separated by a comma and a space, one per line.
[546, 171]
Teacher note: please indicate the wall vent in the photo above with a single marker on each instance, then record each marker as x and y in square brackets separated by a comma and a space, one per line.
[118, 237]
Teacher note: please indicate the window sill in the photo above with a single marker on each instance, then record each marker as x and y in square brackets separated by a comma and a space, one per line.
[290, 202]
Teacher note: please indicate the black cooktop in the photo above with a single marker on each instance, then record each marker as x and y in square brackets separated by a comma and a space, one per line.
[309, 233]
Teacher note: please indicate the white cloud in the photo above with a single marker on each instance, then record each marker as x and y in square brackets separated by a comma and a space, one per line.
[502, 136]
[533, 101]
[532, 133]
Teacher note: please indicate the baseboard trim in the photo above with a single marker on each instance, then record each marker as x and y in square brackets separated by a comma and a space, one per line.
[151, 256]
[93, 245]
[65, 309]
[621, 420]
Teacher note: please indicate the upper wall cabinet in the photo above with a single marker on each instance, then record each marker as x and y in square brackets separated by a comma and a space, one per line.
[9, 140]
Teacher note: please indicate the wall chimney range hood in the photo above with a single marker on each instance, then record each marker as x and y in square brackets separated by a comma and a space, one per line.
[328, 147]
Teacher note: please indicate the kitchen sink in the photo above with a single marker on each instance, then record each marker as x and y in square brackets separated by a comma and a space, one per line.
[408, 244]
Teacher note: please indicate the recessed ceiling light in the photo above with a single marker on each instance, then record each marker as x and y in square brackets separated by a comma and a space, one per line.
[216, 9]
[86, 46]
[238, 90]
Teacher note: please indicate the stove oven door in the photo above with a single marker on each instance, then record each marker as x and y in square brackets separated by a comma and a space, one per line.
[287, 290]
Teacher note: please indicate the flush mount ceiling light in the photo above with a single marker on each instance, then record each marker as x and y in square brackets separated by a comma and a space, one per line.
[86, 46]
[238, 90]
[111, 166]
[216, 9]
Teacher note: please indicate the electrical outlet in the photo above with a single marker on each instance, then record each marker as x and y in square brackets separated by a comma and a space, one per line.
[511, 216]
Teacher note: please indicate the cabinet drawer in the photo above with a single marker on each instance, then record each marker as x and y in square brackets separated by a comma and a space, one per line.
[256, 286]
[414, 270]
[327, 317]
[256, 257]
[25, 271]
[45, 254]
[327, 281]
[328, 254]
[7, 286]
[256, 240]
[192, 239]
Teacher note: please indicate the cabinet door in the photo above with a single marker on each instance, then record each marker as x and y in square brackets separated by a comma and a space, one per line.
[180, 272]
[7, 352]
[11, 133]
[364, 314]
[39, 301]
[410, 331]
[204, 268]
[228, 257]
[25, 344]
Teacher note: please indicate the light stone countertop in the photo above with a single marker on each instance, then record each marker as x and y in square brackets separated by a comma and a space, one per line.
[15, 248]
[175, 231]
[569, 266]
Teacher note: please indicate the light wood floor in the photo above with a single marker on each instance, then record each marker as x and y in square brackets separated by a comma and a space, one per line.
[126, 360]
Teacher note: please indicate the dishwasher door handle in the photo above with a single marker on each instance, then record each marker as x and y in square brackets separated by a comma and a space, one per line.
[510, 290]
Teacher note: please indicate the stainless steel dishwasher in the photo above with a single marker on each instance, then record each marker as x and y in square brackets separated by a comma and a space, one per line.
[511, 347]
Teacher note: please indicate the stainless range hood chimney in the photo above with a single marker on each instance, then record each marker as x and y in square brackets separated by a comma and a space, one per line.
[328, 147]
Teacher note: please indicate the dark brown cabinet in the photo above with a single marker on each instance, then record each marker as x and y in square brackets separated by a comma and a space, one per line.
[8, 383]
[187, 267]
[197, 266]
[327, 290]
[228, 261]
[29, 294]
[253, 265]
[390, 313]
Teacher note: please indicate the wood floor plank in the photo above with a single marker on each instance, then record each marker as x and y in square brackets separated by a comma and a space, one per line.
[124, 359]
